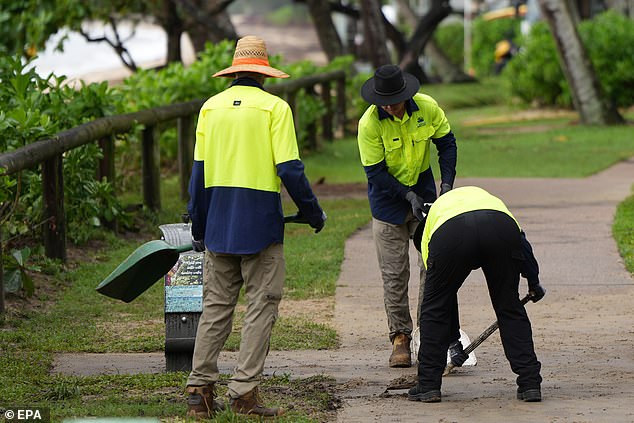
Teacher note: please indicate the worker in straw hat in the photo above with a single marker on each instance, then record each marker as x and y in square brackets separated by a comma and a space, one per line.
[245, 148]
[395, 136]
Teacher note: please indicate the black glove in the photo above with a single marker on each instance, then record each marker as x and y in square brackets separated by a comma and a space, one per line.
[198, 245]
[419, 207]
[319, 226]
[444, 187]
[536, 291]
[457, 354]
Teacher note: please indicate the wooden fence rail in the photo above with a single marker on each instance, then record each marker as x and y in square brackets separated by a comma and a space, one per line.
[49, 152]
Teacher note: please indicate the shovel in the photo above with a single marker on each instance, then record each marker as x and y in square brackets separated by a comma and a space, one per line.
[480, 339]
[147, 264]
[409, 381]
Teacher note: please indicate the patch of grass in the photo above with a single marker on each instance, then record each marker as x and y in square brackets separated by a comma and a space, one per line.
[297, 333]
[545, 148]
[468, 95]
[553, 148]
[309, 399]
[336, 162]
[81, 320]
[623, 231]
[313, 261]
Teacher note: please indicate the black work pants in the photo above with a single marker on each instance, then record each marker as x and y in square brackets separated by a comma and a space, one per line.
[484, 239]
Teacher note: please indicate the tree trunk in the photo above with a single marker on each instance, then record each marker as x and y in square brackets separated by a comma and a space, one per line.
[374, 33]
[173, 26]
[400, 45]
[328, 37]
[207, 21]
[577, 68]
[438, 11]
[448, 71]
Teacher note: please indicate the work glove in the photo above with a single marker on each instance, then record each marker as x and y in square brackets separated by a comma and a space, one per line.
[320, 225]
[419, 207]
[444, 187]
[457, 354]
[536, 291]
[198, 245]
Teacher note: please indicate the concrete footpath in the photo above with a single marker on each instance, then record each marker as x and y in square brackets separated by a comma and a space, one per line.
[582, 329]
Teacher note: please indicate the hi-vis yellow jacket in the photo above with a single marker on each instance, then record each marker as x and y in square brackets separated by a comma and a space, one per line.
[245, 147]
[395, 154]
[455, 202]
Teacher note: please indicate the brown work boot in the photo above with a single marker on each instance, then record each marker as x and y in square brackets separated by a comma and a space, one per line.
[202, 402]
[251, 404]
[401, 353]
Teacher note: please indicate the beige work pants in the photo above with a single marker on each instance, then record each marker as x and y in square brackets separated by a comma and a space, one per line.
[392, 248]
[263, 277]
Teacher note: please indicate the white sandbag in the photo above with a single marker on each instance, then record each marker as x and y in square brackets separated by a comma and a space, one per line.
[464, 340]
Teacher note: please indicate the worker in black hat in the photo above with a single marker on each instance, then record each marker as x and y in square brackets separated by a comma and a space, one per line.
[466, 229]
[395, 135]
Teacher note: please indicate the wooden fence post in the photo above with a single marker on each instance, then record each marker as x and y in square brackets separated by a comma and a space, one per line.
[151, 172]
[311, 128]
[186, 132]
[54, 230]
[106, 169]
[291, 99]
[326, 121]
[341, 106]
[106, 164]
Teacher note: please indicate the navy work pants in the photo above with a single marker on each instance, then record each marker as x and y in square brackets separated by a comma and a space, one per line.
[484, 239]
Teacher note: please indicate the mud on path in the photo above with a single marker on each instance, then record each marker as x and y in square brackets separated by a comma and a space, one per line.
[582, 329]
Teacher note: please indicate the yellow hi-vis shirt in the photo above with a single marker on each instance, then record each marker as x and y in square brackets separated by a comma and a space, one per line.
[402, 143]
[455, 202]
[232, 144]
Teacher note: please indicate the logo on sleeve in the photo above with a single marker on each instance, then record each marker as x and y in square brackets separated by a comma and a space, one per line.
[237, 102]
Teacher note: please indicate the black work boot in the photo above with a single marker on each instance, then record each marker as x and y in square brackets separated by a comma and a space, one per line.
[251, 404]
[202, 402]
[418, 394]
[529, 395]
[457, 354]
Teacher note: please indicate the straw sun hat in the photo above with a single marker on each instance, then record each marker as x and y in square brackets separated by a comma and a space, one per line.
[251, 56]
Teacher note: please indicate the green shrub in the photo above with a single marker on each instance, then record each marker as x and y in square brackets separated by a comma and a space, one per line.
[609, 41]
[450, 39]
[36, 108]
[486, 34]
[535, 71]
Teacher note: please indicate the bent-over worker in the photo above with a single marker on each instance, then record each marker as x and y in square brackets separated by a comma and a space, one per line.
[466, 229]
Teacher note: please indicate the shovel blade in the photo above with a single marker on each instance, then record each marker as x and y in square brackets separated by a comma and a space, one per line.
[144, 267]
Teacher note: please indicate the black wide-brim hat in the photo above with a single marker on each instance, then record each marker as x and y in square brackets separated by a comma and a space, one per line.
[389, 85]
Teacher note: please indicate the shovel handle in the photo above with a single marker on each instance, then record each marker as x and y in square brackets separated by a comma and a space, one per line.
[295, 218]
[483, 336]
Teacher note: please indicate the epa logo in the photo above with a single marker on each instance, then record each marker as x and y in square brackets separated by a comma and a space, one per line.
[25, 414]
